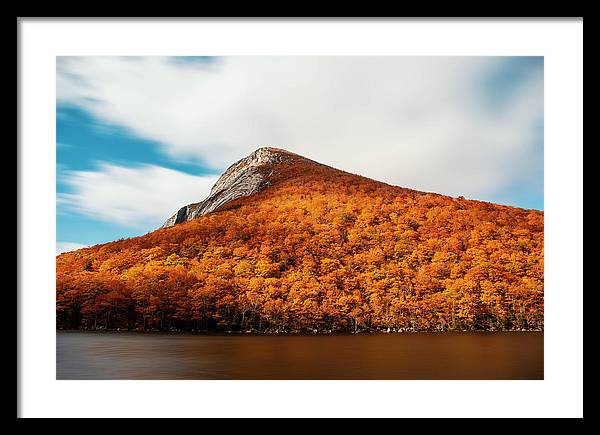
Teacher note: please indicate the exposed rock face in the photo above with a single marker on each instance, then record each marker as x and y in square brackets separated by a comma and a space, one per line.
[245, 177]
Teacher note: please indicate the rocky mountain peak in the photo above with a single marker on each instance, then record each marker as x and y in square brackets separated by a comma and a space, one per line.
[261, 156]
[245, 177]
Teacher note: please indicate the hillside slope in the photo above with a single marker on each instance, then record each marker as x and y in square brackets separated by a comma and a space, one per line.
[309, 247]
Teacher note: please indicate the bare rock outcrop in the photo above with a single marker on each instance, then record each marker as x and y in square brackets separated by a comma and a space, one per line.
[245, 177]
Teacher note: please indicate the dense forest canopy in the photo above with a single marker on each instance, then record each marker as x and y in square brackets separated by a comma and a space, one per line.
[319, 249]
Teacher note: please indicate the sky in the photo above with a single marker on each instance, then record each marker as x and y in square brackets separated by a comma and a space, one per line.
[139, 137]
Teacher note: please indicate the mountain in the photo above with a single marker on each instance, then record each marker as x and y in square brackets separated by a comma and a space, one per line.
[284, 243]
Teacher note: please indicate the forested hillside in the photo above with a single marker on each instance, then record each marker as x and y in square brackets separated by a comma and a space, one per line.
[318, 249]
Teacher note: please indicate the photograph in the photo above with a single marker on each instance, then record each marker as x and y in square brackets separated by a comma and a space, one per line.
[300, 217]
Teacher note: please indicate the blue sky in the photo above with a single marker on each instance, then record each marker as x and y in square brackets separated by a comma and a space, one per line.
[82, 145]
[139, 137]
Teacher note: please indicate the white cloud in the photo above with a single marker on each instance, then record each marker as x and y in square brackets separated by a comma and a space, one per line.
[419, 122]
[141, 197]
[67, 246]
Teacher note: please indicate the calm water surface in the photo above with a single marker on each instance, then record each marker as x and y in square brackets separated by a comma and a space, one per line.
[462, 355]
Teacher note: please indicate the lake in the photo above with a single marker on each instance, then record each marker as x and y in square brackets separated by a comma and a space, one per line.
[455, 355]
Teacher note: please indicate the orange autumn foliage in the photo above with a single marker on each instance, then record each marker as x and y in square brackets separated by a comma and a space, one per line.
[318, 249]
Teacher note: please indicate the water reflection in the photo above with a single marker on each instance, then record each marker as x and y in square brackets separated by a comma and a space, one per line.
[125, 355]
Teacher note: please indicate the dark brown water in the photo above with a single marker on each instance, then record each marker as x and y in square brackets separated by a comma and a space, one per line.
[462, 355]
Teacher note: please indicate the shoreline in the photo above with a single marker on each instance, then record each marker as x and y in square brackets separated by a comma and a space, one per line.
[292, 333]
